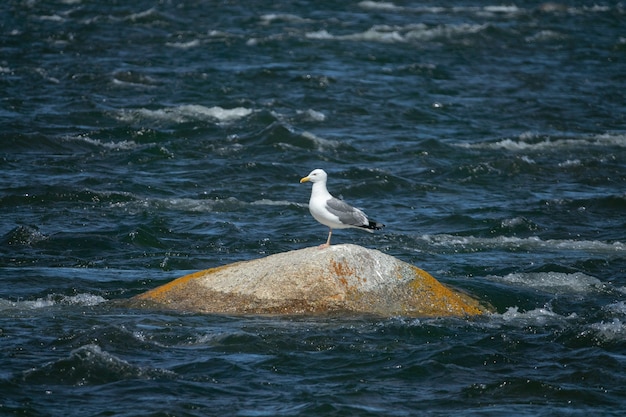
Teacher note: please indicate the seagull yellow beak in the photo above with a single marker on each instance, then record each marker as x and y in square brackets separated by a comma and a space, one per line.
[305, 179]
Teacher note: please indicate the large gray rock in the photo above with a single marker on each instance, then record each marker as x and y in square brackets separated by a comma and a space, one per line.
[346, 278]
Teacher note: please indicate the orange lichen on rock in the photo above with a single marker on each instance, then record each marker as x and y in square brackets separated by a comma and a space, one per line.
[160, 293]
[442, 297]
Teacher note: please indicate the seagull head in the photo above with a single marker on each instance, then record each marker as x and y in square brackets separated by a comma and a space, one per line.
[317, 175]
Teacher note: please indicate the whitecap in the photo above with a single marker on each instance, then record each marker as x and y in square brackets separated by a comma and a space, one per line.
[83, 300]
[618, 308]
[186, 113]
[518, 222]
[184, 45]
[375, 34]
[267, 202]
[91, 364]
[380, 33]
[122, 145]
[186, 204]
[529, 243]
[401, 34]
[142, 15]
[422, 33]
[570, 163]
[52, 300]
[544, 35]
[502, 9]
[319, 35]
[320, 143]
[312, 115]
[52, 18]
[536, 315]
[533, 142]
[282, 17]
[380, 5]
[559, 282]
[543, 316]
[615, 330]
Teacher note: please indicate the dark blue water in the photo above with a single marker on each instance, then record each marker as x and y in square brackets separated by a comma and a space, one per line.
[145, 140]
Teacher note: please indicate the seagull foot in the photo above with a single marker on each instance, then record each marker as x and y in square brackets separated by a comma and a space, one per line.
[323, 246]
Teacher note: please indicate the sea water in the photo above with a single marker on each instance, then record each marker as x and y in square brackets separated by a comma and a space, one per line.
[145, 140]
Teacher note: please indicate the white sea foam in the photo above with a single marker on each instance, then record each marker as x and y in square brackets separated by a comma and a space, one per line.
[123, 145]
[615, 330]
[501, 9]
[382, 33]
[529, 243]
[186, 113]
[282, 17]
[184, 45]
[544, 35]
[188, 204]
[266, 202]
[422, 33]
[52, 300]
[320, 143]
[401, 34]
[541, 317]
[618, 308]
[52, 18]
[532, 142]
[536, 317]
[83, 300]
[570, 163]
[312, 115]
[319, 35]
[557, 282]
[488, 10]
[380, 5]
[149, 13]
[93, 355]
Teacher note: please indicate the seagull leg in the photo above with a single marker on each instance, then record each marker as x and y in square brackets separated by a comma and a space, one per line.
[327, 244]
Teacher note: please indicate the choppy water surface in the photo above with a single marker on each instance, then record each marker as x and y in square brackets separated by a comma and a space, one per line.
[144, 140]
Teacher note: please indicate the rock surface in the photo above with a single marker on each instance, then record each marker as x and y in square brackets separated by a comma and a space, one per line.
[346, 278]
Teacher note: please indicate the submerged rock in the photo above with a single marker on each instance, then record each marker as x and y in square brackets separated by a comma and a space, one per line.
[346, 278]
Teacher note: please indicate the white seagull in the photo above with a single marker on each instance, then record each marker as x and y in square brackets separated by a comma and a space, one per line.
[331, 211]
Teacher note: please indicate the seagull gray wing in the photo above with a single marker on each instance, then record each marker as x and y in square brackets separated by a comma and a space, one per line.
[347, 214]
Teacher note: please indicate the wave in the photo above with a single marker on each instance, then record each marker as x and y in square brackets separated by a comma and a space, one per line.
[609, 331]
[266, 202]
[184, 45]
[185, 113]
[555, 282]
[536, 317]
[52, 300]
[528, 243]
[402, 34]
[122, 145]
[604, 331]
[571, 326]
[481, 10]
[90, 365]
[199, 205]
[533, 142]
[270, 18]
[489, 10]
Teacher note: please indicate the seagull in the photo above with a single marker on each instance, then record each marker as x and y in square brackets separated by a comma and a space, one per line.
[331, 211]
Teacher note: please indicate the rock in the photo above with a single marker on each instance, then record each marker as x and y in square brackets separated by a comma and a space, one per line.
[341, 278]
